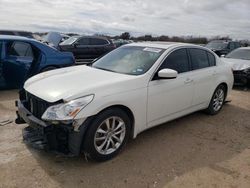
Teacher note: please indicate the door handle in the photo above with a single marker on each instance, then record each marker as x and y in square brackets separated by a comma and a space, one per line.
[188, 80]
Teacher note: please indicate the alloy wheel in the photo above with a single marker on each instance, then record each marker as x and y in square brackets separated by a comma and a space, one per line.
[110, 135]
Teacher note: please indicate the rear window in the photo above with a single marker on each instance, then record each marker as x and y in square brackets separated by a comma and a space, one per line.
[69, 41]
[199, 58]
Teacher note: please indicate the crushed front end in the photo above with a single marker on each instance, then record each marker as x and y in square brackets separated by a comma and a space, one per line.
[53, 135]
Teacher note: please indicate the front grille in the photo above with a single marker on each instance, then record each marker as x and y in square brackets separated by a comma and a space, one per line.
[34, 104]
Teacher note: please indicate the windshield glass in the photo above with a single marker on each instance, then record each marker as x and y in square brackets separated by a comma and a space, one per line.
[217, 45]
[239, 54]
[69, 41]
[129, 60]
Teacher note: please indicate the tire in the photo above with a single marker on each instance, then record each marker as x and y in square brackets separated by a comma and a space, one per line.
[101, 143]
[48, 69]
[217, 100]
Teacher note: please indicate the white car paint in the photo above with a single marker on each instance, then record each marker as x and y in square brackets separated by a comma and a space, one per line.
[237, 64]
[151, 102]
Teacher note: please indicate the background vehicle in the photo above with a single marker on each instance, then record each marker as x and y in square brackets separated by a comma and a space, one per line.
[222, 47]
[20, 58]
[133, 88]
[19, 33]
[55, 38]
[87, 47]
[239, 60]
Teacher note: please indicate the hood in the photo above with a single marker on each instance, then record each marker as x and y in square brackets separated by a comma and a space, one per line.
[53, 38]
[78, 81]
[237, 64]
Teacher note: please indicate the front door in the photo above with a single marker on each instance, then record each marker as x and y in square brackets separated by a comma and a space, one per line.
[167, 97]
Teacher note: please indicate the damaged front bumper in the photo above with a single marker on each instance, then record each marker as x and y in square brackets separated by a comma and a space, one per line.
[63, 138]
[241, 77]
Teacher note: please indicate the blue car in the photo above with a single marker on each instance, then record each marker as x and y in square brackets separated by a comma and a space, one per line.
[21, 58]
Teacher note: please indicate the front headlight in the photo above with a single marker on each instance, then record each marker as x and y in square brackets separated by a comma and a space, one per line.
[66, 111]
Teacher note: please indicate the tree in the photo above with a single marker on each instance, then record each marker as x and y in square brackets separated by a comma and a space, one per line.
[125, 36]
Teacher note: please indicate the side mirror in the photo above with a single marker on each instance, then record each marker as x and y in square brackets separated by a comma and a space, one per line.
[223, 55]
[167, 74]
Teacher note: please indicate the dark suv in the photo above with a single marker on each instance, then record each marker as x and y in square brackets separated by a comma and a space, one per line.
[87, 47]
[222, 47]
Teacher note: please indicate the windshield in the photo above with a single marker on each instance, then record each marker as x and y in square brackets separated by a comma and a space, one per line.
[69, 41]
[239, 54]
[129, 60]
[217, 45]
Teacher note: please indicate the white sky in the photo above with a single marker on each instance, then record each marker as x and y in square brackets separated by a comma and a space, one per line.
[157, 17]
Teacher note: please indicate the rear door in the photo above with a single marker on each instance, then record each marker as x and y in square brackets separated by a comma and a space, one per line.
[203, 75]
[17, 62]
[82, 48]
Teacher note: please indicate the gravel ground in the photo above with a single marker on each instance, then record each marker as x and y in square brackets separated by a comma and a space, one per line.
[195, 151]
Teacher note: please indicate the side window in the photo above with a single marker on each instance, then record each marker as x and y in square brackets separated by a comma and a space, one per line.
[177, 60]
[231, 45]
[1, 47]
[83, 41]
[96, 41]
[20, 49]
[199, 58]
[237, 45]
[211, 59]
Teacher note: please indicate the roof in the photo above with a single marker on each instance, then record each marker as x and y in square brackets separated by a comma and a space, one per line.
[14, 37]
[163, 45]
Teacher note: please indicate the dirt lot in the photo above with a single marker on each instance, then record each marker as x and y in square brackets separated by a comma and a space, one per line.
[194, 151]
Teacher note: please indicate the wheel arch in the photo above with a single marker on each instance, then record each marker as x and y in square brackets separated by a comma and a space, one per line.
[127, 110]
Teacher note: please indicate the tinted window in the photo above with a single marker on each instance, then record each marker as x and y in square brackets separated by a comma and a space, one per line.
[83, 41]
[94, 41]
[239, 53]
[177, 60]
[1, 49]
[211, 59]
[199, 59]
[237, 44]
[231, 45]
[20, 49]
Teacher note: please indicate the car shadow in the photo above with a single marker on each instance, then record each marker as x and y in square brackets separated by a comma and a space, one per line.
[159, 154]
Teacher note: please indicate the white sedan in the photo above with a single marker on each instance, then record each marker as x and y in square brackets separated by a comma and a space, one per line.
[95, 110]
[239, 60]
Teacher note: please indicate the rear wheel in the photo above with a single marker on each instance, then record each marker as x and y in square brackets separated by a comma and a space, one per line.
[107, 135]
[217, 100]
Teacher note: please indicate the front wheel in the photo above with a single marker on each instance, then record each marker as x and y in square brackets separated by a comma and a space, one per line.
[107, 135]
[217, 100]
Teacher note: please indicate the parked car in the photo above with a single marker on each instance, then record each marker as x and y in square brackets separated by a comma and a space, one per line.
[120, 42]
[54, 39]
[239, 60]
[87, 47]
[21, 58]
[19, 33]
[222, 47]
[96, 109]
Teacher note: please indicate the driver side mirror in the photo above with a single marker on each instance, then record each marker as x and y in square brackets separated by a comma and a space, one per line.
[223, 55]
[167, 74]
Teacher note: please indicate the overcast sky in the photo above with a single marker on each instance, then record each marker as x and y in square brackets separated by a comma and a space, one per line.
[156, 17]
